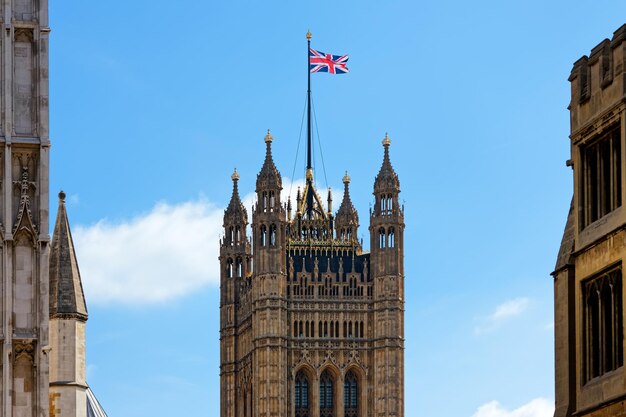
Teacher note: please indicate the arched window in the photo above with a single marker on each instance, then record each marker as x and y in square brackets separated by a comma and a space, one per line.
[325, 329]
[306, 329]
[302, 395]
[237, 234]
[361, 325]
[351, 395]
[391, 239]
[381, 238]
[263, 237]
[295, 328]
[389, 203]
[312, 329]
[264, 201]
[273, 235]
[382, 204]
[239, 267]
[229, 268]
[326, 395]
[272, 200]
[231, 235]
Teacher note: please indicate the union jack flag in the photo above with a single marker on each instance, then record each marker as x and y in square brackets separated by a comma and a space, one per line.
[321, 62]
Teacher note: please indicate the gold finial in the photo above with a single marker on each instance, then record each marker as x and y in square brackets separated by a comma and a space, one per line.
[308, 35]
[309, 174]
[268, 138]
[235, 176]
[386, 141]
[346, 178]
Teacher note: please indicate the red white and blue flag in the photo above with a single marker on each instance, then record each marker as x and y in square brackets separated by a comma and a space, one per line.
[333, 64]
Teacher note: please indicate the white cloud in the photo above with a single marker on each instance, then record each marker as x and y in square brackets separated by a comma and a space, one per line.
[539, 407]
[161, 255]
[502, 312]
[166, 253]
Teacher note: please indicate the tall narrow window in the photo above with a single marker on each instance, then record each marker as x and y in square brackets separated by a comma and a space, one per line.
[229, 268]
[237, 234]
[601, 185]
[381, 238]
[239, 267]
[273, 235]
[263, 237]
[350, 395]
[602, 323]
[326, 395]
[391, 238]
[302, 395]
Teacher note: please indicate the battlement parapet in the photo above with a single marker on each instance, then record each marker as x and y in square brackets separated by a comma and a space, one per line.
[598, 81]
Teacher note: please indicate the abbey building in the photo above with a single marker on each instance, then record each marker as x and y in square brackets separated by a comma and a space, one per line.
[588, 277]
[311, 324]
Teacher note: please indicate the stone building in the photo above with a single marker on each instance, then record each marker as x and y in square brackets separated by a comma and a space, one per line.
[42, 308]
[310, 324]
[588, 284]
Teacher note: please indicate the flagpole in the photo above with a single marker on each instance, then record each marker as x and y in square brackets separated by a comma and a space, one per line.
[309, 168]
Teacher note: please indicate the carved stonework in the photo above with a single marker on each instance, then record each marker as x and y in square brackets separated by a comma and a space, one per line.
[24, 220]
[24, 350]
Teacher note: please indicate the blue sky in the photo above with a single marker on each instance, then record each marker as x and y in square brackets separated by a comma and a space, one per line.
[153, 103]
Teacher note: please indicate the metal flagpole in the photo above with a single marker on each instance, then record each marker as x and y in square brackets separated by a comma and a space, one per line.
[308, 113]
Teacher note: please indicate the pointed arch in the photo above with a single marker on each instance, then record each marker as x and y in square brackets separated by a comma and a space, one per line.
[263, 235]
[391, 238]
[302, 393]
[272, 235]
[229, 267]
[327, 392]
[351, 394]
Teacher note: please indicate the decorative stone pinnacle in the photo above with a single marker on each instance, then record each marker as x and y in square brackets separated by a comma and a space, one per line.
[235, 176]
[62, 196]
[308, 35]
[346, 178]
[268, 138]
[386, 141]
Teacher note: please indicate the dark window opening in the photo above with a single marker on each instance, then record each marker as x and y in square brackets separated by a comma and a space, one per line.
[602, 323]
[601, 188]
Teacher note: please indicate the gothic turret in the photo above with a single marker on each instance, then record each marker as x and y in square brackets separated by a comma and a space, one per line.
[347, 219]
[68, 314]
[269, 216]
[387, 219]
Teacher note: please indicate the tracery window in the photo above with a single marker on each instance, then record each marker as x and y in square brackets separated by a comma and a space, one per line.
[602, 323]
[391, 241]
[302, 395]
[263, 237]
[350, 395]
[326, 395]
[601, 182]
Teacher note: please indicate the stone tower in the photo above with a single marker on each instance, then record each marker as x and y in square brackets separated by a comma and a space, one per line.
[311, 325]
[588, 284]
[24, 149]
[68, 314]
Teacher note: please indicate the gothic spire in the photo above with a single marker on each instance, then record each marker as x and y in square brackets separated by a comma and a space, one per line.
[268, 177]
[347, 213]
[67, 299]
[387, 179]
[236, 212]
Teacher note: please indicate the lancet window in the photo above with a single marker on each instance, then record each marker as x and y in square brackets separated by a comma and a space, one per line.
[326, 395]
[350, 395]
[302, 395]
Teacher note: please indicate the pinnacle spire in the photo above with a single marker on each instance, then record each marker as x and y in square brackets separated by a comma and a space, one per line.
[347, 215]
[268, 177]
[387, 179]
[236, 210]
[67, 299]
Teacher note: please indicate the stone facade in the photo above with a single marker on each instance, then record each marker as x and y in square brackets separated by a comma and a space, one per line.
[588, 285]
[311, 325]
[24, 156]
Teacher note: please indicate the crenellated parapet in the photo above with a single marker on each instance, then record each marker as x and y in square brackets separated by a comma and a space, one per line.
[598, 83]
